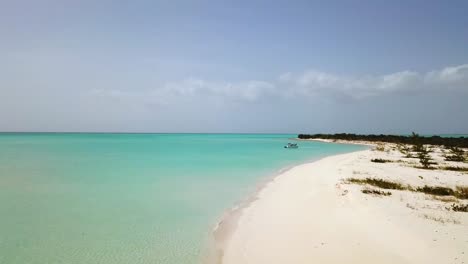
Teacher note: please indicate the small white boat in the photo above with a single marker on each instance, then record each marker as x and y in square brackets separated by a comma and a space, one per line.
[291, 145]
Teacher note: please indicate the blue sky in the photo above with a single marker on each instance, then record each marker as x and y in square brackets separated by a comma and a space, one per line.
[234, 66]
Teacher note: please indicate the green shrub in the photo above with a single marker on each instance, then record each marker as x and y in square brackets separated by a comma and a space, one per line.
[459, 207]
[425, 159]
[376, 192]
[380, 160]
[380, 147]
[456, 154]
[436, 190]
[462, 192]
[384, 184]
[454, 168]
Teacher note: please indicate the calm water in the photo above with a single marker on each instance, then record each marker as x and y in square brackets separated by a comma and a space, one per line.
[129, 198]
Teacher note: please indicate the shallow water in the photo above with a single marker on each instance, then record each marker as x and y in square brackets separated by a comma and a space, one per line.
[129, 198]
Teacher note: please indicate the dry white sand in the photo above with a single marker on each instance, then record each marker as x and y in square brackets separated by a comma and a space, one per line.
[310, 215]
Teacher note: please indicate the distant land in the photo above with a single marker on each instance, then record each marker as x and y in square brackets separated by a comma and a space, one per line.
[458, 141]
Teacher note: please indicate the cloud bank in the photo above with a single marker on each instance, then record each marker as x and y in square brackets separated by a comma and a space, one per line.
[308, 84]
[312, 83]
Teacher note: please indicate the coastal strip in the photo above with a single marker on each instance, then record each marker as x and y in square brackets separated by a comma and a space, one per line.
[371, 206]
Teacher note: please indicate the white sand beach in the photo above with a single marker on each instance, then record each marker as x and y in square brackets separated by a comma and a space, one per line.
[309, 214]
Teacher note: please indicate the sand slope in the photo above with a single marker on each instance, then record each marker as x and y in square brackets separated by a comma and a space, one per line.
[309, 215]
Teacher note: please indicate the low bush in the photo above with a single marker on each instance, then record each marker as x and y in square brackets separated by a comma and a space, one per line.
[459, 207]
[462, 192]
[454, 158]
[380, 147]
[454, 168]
[436, 190]
[456, 154]
[404, 149]
[425, 159]
[384, 184]
[376, 192]
[380, 160]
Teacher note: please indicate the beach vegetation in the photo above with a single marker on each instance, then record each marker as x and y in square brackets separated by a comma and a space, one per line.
[461, 192]
[380, 160]
[436, 190]
[459, 207]
[454, 168]
[381, 183]
[424, 158]
[456, 154]
[405, 150]
[380, 147]
[441, 219]
[460, 142]
[416, 142]
[445, 199]
[375, 192]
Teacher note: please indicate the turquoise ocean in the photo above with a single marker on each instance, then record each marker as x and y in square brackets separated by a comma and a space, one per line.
[130, 198]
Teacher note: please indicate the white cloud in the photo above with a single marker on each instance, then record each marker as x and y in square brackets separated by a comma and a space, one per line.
[316, 83]
[455, 76]
[250, 90]
[310, 83]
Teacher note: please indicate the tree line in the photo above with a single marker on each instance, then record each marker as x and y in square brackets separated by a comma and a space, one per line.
[461, 142]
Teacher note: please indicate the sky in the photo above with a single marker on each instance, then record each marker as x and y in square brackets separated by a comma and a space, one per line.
[367, 66]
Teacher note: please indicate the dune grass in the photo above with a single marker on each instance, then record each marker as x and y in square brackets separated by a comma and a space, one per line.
[380, 160]
[384, 184]
[454, 168]
[459, 208]
[436, 190]
[460, 192]
[375, 192]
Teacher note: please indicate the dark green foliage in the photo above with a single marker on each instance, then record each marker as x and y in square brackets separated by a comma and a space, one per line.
[376, 192]
[436, 190]
[425, 160]
[384, 184]
[380, 160]
[454, 168]
[456, 154]
[461, 142]
[417, 143]
[462, 192]
[380, 147]
[459, 208]
[404, 149]
[417, 148]
[454, 158]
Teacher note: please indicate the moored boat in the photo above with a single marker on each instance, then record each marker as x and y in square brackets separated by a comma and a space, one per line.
[291, 145]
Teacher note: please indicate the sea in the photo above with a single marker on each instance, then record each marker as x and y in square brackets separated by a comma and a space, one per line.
[115, 198]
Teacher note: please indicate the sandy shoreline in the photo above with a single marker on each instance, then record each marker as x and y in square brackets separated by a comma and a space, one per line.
[308, 214]
[224, 229]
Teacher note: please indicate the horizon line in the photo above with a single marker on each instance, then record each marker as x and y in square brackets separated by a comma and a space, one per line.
[251, 133]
